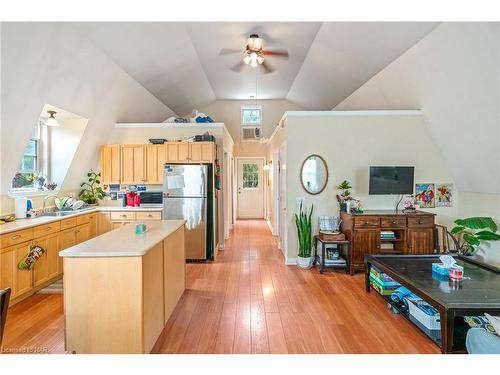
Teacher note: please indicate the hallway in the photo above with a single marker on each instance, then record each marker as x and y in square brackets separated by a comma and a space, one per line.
[249, 301]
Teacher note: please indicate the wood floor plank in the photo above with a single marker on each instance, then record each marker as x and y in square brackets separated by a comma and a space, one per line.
[249, 301]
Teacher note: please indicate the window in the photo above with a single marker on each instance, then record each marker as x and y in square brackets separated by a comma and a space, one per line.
[251, 115]
[30, 165]
[250, 176]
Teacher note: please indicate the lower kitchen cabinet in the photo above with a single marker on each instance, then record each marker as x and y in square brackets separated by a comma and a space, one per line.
[83, 233]
[19, 281]
[118, 224]
[47, 266]
[93, 225]
[103, 222]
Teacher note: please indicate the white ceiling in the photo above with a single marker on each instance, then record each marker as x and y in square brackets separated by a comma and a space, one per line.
[180, 64]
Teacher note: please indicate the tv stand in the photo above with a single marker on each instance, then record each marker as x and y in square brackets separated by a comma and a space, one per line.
[413, 234]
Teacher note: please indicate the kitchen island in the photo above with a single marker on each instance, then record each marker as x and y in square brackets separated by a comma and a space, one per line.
[120, 288]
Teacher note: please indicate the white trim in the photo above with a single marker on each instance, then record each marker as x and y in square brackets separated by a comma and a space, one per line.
[174, 125]
[384, 112]
[264, 188]
[291, 261]
[270, 226]
[31, 193]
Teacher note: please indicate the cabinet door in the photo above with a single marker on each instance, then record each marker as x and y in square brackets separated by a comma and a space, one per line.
[118, 224]
[110, 164]
[177, 152]
[201, 152]
[8, 269]
[47, 266]
[67, 238]
[420, 241]
[103, 222]
[155, 159]
[365, 242]
[132, 164]
[93, 225]
[82, 233]
[24, 278]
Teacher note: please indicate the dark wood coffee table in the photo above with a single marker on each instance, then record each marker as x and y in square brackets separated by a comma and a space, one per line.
[477, 293]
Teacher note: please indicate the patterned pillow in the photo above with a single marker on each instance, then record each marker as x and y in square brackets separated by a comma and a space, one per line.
[479, 322]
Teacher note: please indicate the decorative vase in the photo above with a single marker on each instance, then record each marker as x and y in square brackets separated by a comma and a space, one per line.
[304, 263]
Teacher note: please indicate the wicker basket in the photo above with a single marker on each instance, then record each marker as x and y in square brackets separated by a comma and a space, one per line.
[323, 236]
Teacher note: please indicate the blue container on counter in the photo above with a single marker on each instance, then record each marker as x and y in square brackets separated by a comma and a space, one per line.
[440, 269]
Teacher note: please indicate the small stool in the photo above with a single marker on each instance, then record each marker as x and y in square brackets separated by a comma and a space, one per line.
[343, 245]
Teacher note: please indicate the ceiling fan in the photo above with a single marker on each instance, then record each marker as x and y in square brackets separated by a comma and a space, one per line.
[255, 55]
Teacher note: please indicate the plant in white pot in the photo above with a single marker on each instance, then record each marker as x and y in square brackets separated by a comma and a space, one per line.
[304, 233]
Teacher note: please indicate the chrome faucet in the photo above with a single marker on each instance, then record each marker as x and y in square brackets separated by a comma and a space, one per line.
[45, 200]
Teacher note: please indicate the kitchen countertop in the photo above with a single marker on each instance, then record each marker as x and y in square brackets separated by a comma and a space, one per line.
[21, 224]
[123, 242]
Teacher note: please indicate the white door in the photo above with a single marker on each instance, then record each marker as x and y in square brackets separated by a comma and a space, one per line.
[282, 200]
[250, 189]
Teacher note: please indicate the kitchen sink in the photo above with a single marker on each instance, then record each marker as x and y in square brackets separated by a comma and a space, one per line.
[63, 213]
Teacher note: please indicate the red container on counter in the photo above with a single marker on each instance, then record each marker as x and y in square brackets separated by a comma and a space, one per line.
[456, 272]
[137, 200]
[131, 198]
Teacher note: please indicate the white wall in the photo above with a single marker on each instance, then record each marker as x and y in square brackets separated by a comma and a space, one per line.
[229, 112]
[52, 63]
[453, 76]
[350, 145]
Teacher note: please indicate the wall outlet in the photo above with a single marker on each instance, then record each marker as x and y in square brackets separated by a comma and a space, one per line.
[299, 201]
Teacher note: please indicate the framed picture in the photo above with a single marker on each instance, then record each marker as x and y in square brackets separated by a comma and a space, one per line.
[444, 195]
[424, 195]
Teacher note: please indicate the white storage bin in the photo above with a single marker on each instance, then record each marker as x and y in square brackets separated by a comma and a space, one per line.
[431, 322]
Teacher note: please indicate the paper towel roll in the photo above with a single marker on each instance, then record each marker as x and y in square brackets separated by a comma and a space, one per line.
[20, 205]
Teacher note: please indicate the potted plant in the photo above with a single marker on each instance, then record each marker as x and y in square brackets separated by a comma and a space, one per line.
[470, 232]
[304, 233]
[91, 191]
[345, 196]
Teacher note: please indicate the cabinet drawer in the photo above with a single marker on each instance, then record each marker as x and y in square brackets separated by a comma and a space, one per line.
[122, 215]
[82, 219]
[155, 215]
[19, 236]
[43, 230]
[367, 222]
[424, 221]
[68, 223]
[393, 222]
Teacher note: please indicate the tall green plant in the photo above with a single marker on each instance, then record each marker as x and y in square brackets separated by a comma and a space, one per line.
[304, 232]
[468, 233]
[91, 191]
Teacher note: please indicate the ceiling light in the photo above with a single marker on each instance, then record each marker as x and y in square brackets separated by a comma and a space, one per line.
[51, 121]
[254, 42]
[260, 58]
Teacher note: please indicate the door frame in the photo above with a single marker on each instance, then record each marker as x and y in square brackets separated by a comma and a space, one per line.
[276, 194]
[282, 203]
[264, 186]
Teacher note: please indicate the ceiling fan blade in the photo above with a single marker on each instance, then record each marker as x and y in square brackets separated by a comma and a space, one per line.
[229, 51]
[238, 67]
[277, 53]
[266, 68]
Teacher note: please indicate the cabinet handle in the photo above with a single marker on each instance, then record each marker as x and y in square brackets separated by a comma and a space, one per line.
[149, 215]
[123, 215]
[394, 222]
[420, 222]
[48, 228]
[17, 236]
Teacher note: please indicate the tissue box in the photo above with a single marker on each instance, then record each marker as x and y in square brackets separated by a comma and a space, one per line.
[440, 269]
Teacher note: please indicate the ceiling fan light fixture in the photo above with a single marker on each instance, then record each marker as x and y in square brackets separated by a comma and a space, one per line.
[51, 121]
[246, 59]
[260, 58]
[254, 42]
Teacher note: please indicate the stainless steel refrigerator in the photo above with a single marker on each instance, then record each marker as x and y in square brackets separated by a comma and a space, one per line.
[187, 188]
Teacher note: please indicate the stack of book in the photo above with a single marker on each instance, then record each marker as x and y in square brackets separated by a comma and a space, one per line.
[382, 282]
[387, 247]
[387, 235]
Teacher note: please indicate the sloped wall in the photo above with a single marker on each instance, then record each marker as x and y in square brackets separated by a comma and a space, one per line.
[53, 63]
[453, 76]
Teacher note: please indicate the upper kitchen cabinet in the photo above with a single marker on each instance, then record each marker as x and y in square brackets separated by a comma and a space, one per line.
[132, 164]
[190, 152]
[177, 152]
[110, 164]
[155, 160]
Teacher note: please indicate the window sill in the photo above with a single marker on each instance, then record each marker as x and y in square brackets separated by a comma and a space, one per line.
[31, 193]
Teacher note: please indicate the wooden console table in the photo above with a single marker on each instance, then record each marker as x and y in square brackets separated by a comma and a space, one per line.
[414, 233]
[477, 293]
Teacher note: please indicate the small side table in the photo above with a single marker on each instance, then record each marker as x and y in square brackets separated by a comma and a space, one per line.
[345, 246]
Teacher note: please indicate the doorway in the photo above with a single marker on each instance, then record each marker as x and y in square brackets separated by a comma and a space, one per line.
[250, 188]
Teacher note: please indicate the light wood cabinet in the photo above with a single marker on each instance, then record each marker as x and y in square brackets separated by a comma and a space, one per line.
[155, 160]
[93, 225]
[67, 238]
[201, 152]
[132, 164]
[19, 281]
[118, 224]
[103, 222]
[110, 164]
[420, 240]
[47, 266]
[82, 233]
[177, 152]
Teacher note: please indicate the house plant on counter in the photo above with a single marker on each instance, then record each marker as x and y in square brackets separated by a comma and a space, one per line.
[91, 191]
[304, 233]
[469, 233]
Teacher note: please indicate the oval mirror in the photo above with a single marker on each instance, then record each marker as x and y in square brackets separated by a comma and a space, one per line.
[314, 174]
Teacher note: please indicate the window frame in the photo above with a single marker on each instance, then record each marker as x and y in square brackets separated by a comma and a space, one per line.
[251, 107]
[256, 174]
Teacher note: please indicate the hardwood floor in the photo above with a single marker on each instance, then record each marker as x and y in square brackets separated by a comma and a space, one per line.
[248, 301]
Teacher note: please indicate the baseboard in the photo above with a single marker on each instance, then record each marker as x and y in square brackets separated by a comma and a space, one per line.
[291, 261]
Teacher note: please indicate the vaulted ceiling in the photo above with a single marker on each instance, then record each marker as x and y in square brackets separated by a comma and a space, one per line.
[180, 64]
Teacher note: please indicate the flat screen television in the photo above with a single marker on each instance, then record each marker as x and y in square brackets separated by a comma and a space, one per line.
[391, 180]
